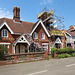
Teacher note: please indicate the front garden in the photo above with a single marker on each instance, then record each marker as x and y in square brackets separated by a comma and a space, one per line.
[62, 53]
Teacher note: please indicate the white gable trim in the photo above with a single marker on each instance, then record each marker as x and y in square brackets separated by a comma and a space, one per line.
[68, 33]
[4, 43]
[58, 39]
[7, 27]
[42, 26]
[18, 41]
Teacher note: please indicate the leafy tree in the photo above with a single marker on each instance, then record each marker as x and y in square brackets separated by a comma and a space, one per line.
[3, 51]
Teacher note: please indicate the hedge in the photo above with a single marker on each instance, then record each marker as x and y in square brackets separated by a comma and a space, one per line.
[73, 54]
[67, 50]
[63, 56]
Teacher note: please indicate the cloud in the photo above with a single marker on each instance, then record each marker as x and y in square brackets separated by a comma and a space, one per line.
[46, 2]
[5, 13]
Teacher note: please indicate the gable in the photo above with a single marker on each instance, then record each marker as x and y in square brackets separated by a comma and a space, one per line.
[39, 30]
[40, 23]
[5, 24]
[58, 40]
[22, 39]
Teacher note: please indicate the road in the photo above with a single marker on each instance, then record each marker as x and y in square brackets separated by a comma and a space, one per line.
[47, 67]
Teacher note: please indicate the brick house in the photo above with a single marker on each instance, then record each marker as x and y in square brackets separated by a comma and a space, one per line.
[18, 35]
[13, 33]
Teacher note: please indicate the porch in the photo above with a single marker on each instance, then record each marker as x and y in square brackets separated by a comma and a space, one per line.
[21, 48]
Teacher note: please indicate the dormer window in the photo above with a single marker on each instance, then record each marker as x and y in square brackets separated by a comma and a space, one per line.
[42, 36]
[35, 35]
[4, 33]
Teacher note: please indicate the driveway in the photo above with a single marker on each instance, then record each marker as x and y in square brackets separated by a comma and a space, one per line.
[47, 67]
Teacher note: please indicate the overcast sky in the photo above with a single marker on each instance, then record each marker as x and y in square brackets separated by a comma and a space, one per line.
[31, 8]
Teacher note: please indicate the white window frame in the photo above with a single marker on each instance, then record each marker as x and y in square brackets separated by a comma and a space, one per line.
[45, 44]
[42, 34]
[4, 33]
[35, 35]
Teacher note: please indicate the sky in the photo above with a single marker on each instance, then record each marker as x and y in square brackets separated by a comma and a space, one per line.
[29, 9]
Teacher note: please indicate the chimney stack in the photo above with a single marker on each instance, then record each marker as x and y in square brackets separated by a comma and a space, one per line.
[16, 16]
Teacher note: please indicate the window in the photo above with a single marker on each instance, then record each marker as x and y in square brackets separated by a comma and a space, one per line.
[42, 36]
[35, 35]
[4, 33]
[74, 42]
[45, 46]
[7, 47]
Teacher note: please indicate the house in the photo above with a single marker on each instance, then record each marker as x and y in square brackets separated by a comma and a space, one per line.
[14, 33]
[20, 36]
[70, 37]
[44, 34]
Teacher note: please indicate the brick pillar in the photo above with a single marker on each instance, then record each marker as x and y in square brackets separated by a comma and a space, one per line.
[15, 57]
[32, 56]
[46, 54]
[55, 55]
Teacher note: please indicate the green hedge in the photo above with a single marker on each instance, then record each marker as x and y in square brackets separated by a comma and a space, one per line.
[73, 54]
[63, 56]
[67, 50]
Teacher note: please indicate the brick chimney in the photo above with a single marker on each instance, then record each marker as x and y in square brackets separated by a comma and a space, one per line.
[16, 12]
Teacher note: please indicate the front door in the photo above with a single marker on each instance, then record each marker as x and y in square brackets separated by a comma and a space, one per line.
[22, 48]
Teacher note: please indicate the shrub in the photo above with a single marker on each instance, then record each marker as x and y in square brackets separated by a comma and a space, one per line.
[3, 51]
[63, 56]
[73, 54]
[50, 56]
[65, 50]
[53, 50]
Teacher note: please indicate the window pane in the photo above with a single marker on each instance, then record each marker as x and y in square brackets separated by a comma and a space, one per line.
[4, 33]
[45, 47]
[42, 36]
[35, 35]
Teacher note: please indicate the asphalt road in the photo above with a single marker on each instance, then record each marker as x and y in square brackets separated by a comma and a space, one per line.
[47, 67]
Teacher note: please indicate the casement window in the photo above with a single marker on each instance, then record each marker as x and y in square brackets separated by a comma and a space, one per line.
[42, 36]
[35, 35]
[45, 46]
[4, 33]
[6, 45]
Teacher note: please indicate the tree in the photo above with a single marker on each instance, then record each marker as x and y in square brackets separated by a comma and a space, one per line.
[3, 51]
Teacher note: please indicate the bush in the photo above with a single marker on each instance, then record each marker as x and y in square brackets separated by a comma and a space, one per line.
[63, 56]
[53, 50]
[67, 50]
[3, 51]
[73, 54]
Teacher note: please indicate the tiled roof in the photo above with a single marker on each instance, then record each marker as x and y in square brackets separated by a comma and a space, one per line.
[71, 33]
[45, 27]
[20, 27]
